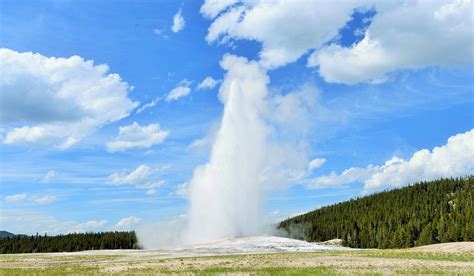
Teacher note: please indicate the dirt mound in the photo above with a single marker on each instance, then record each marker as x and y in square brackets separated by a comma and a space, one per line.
[332, 242]
[451, 247]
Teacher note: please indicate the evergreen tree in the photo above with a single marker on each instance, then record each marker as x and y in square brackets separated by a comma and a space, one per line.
[423, 213]
[69, 242]
[426, 236]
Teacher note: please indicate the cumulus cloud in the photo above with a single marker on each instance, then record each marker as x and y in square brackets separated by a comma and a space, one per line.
[284, 36]
[453, 159]
[207, 83]
[128, 222]
[412, 35]
[211, 8]
[142, 178]
[182, 90]
[136, 136]
[400, 36]
[58, 100]
[15, 198]
[316, 163]
[178, 22]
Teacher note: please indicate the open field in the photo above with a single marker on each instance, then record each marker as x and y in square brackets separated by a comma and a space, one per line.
[454, 258]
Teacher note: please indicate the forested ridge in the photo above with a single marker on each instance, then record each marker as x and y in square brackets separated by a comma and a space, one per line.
[420, 214]
[69, 242]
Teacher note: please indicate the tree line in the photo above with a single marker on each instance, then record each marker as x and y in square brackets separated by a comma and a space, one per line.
[423, 213]
[69, 242]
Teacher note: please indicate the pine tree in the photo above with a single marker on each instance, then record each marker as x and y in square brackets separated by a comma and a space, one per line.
[423, 213]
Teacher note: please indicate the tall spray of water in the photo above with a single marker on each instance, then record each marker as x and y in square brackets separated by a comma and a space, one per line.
[260, 144]
[226, 193]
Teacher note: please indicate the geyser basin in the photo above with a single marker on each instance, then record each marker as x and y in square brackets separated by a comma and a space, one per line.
[256, 244]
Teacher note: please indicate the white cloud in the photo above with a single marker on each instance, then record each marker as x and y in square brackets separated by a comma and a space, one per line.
[136, 136]
[141, 173]
[211, 8]
[58, 100]
[182, 190]
[151, 186]
[149, 105]
[51, 174]
[207, 83]
[142, 178]
[26, 221]
[316, 163]
[348, 176]
[284, 36]
[400, 36]
[178, 22]
[35, 199]
[203, 145]
[15, 198]
[274, 213]
[199, 143]
[128, 222]
[160, 32]
[151, 191]
[178, 92]
[45, 199]
[453, 159]
[91, 225]
[182, 90]
[412, 35]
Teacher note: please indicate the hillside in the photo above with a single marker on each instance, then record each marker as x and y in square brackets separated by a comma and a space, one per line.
[421, 214]
[6, 234]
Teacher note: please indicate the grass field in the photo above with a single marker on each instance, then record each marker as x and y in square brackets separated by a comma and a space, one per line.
[440, 259]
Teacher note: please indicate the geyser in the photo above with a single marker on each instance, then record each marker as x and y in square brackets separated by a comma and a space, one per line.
[225, 195]
[260, 144]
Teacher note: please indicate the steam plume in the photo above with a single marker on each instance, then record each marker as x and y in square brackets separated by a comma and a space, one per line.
[226, 193]
[257, 147]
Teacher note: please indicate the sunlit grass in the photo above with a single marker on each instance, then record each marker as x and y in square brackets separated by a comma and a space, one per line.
[313, 263]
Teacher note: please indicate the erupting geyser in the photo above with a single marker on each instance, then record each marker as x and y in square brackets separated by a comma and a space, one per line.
[226, 193]
[250, 152]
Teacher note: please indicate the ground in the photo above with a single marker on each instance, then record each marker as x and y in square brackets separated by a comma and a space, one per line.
[452, 258]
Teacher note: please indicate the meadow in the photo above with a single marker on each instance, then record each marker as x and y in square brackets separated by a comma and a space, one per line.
[450, 258]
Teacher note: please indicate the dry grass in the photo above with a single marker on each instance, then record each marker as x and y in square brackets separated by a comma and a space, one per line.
[454, 258]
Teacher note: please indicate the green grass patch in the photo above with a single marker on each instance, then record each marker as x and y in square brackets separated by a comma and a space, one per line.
[53, 270]
[404, 254]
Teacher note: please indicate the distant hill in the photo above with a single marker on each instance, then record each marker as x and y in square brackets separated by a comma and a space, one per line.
[5, 234]
[421, 214]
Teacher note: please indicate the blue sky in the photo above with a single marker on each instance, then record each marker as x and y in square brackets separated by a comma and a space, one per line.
[364, 100]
